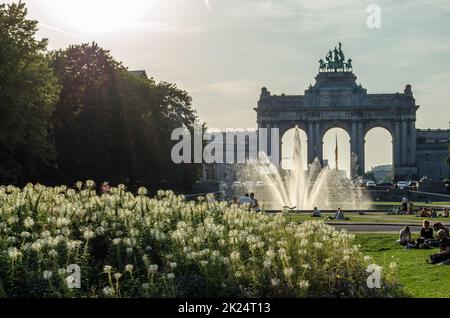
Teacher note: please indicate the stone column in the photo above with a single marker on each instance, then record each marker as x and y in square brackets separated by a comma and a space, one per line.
[353, 149]
[397, 149]
[269, 138]
[412, 143]
[360, 153]
[404, 142]
[318, 144]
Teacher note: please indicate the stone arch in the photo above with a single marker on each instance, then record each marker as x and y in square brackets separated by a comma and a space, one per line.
[328, 126]
[344, 144]
[371, 128]
[286, 145]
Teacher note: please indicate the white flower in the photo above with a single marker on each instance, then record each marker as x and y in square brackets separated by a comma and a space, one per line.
[170, 276]
[288, 272]
[367, 258]
[53, 253]
[88, 234]
[90, 184]
[108, 291]
[142, 191]
[393, 265]
[36, 246]
[172, 265]
[129, 250]
[303, 284]
[235, 256]
[275, 282]
[47, 275]
[25, 234]
[62, 271]
[14, 253]
[153, 268]
[145, 286]
[117, 276]
[107, 268]
[116, 241]
[129, 268]
[28, 222]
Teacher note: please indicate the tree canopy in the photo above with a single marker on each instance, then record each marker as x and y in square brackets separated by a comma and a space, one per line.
[77, 114]
[28, 93]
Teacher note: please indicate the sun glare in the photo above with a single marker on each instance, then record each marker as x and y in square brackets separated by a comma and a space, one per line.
[106, 15]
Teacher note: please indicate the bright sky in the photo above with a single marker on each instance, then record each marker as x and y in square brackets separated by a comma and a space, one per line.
[224, 51]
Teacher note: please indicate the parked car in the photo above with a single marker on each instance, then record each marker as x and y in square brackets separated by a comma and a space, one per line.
[385, 184]
[413, 185]
[370, 185]
[402, 185]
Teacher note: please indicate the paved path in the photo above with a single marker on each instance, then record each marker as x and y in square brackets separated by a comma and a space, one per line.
[374, 227]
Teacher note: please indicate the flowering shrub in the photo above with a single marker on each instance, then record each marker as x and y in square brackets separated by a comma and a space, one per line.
[136, 246]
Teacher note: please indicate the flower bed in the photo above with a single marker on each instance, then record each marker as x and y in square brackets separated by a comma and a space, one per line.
[127, 245]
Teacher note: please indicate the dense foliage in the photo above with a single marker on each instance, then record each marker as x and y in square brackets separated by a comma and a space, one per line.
[136, 246]
[79, 114]
[28, 93]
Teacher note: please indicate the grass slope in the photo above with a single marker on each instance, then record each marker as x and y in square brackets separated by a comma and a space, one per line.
[419, 278]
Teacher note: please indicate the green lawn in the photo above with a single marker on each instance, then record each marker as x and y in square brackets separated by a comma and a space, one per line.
[370, 217]
[387, 205]
[419, 278]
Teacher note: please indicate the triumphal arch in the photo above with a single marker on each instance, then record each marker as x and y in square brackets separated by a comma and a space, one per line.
[337, 100]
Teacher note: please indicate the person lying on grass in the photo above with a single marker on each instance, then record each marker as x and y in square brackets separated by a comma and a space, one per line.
[444, 245]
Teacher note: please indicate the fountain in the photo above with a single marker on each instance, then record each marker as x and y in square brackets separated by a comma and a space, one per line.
[302, 189]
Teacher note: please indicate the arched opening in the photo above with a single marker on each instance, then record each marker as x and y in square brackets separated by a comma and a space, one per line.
[288, 148]
[378, 154]
[339, 155]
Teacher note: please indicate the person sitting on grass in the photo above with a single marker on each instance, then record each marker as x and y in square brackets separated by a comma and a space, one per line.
[439, 226]
[255, 203]
[405, 236]
[426, 232]
[445, 213]
[426, 239]
[444, 245]
[316, 213]
[433, 213]
[339, 215]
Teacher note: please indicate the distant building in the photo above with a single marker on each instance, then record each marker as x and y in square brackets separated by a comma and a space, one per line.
[432, 152]
[139, 73]
[225, 171]
[382, 173]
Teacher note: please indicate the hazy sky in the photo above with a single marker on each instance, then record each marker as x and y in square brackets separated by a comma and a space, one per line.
[224, 51]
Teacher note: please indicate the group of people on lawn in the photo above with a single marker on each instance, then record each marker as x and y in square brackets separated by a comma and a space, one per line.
[427, 239]
[423, 212]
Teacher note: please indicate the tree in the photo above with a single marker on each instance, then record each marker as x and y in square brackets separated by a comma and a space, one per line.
[448, 158]
[28, 93]
[110, 125]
